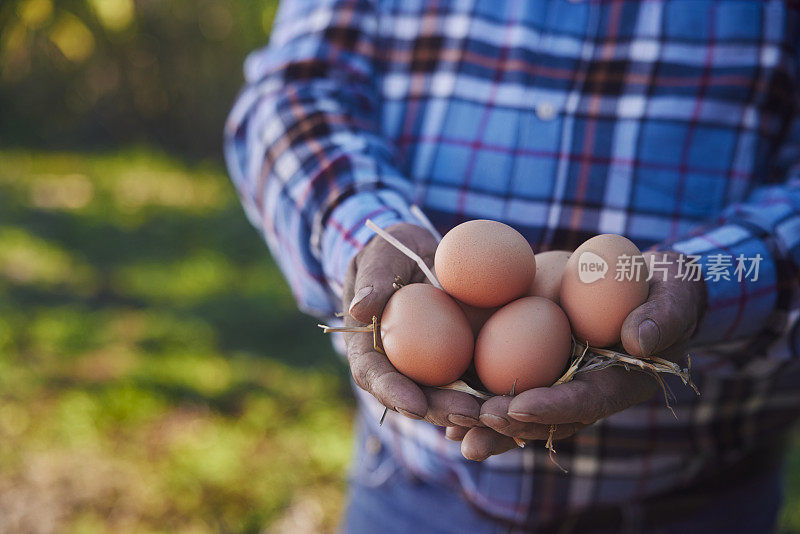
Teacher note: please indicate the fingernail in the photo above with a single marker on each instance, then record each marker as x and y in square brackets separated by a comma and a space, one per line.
[648, 336]
[408, 414]
[462, 420]
[494, 421]
[360, 295]
[524, 417]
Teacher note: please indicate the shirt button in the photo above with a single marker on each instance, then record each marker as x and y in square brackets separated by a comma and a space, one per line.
[546, 111]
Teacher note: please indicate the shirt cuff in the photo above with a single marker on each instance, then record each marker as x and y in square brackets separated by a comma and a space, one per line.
[346, 232]
[740, 277]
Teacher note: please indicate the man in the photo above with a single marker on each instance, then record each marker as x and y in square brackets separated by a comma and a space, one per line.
[674, 123]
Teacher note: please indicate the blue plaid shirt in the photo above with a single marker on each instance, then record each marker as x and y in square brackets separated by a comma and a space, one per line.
[675, 123]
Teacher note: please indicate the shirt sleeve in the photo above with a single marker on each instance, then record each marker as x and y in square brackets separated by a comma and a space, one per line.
[303, 147]
[757, 244]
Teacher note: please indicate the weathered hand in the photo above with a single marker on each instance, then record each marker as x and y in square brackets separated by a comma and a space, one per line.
[671, 314]
[367, 288]
[571, 407]
[662, 326]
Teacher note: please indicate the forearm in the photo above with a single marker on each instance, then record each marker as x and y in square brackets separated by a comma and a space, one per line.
[304, 149]
[748, 261]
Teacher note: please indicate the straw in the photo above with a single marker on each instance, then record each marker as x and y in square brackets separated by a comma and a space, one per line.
[585, 358]
[405, 250]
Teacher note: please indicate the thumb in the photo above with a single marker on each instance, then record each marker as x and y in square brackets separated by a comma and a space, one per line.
[379, 263]
[669, 316]
[373, 286]
[370, 298]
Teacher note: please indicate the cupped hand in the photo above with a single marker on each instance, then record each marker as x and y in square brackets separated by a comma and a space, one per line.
[661, 326]
[367, 288]
[570, 407]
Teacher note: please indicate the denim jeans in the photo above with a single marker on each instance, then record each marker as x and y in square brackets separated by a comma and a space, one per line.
[385, 499]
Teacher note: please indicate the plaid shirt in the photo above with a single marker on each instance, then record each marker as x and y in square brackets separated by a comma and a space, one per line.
[675, 123]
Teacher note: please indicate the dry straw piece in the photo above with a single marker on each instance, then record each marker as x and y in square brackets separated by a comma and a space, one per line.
[405, 250]
[584, 358]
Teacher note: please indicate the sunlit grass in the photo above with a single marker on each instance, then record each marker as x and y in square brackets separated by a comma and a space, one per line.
[186, 280]
[26, 259]
[156, 375]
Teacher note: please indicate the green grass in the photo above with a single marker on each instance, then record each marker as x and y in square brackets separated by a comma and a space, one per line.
[156, 375]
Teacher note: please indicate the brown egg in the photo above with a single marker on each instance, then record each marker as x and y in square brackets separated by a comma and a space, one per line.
[476, 317]
[549, 269]
[596, 293]
[485, 263]
[527, 340]
[426, 335]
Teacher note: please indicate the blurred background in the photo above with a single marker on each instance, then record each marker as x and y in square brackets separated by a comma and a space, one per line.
[155, 373]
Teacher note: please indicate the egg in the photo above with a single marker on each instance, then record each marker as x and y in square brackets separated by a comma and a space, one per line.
[527, 341]
[485, 263]
[425, 335]
[549, 270]
[596, 293]
[476, 317]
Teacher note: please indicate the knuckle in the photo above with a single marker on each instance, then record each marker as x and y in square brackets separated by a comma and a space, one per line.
[445, 402]
[360, 371]
[614, 405]
[497, 404]
[359, 377]
[621, 392]
[611, 404]
[372, 378]
[589, 400]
